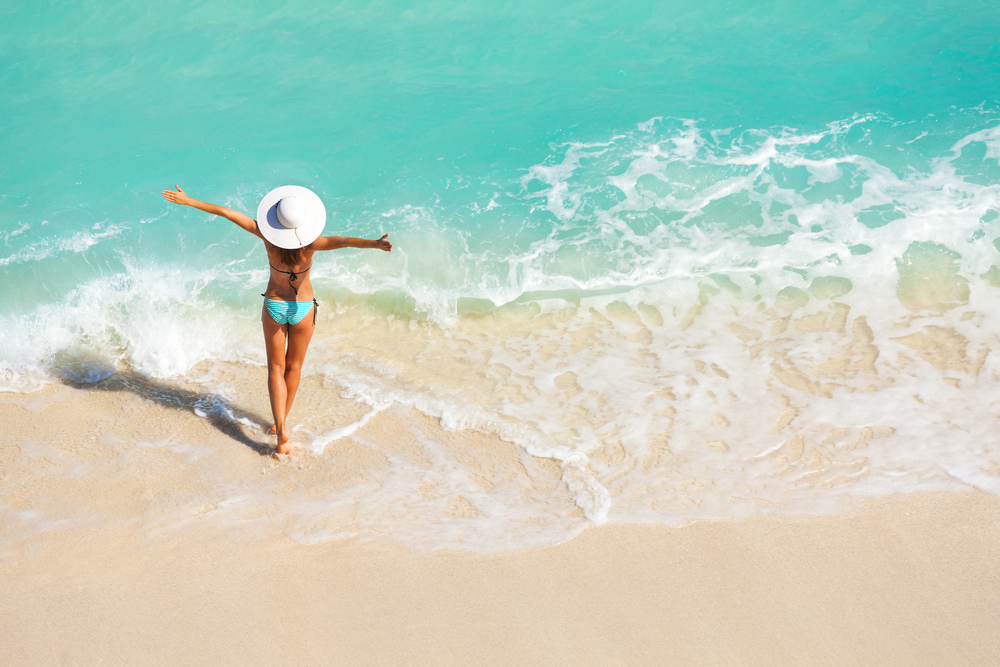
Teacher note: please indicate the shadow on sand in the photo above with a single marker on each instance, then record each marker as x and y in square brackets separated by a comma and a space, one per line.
[219, 413]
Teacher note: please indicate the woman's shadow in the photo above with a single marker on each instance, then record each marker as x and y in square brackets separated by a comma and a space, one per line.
[225, 418]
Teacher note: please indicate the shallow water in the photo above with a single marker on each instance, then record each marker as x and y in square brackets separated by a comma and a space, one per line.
[711, 260]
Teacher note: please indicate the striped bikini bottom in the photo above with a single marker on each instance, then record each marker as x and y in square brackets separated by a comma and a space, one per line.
[289, 312]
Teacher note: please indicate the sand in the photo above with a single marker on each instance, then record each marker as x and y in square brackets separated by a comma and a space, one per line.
[904, 580]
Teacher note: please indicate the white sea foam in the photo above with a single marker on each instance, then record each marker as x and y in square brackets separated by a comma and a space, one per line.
[159, 321]
[75, 243]
[320, 442]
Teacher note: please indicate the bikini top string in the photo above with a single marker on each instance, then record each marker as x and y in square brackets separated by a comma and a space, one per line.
[292, 276]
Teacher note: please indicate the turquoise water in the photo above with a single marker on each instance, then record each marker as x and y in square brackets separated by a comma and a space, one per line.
[703, 185]
[391, 104]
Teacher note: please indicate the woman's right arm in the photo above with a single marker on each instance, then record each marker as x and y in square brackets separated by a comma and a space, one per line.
[180, 197]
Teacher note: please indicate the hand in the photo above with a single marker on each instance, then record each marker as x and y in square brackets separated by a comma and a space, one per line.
[381, 244]
[180, 197]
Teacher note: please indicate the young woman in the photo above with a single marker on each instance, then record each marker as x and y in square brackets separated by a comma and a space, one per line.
[292, 219]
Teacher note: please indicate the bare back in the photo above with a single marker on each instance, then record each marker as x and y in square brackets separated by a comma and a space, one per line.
[289, 283]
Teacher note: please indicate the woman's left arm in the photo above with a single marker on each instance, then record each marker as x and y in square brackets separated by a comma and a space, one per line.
[335, 242]
[243, 220]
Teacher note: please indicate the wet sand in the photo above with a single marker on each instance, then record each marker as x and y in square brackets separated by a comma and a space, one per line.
[905, 580]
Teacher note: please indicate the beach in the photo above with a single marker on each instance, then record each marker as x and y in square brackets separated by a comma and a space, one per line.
[94, 570]
[685, 351]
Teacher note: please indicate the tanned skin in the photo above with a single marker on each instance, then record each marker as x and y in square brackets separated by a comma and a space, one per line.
[286, 344]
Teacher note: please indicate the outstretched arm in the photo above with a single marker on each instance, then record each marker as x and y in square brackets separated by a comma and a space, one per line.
[180, 197]
[335, 242]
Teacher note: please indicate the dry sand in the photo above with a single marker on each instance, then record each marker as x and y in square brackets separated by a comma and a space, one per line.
[908, 580]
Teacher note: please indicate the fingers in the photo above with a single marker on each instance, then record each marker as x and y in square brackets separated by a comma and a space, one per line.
[174, 197]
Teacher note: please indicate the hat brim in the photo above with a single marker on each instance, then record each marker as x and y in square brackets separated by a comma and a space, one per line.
[278, 234]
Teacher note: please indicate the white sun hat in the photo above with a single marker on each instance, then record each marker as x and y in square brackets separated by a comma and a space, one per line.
[291, 216]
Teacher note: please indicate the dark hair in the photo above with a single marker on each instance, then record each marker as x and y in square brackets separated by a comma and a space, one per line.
[290, 256]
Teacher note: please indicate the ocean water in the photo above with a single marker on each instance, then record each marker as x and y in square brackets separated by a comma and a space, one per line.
[710, 259]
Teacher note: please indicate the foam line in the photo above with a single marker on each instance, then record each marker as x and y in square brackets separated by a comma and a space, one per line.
[319, 444]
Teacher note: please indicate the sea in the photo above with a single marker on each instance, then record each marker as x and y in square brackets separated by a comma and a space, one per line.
[708, 259]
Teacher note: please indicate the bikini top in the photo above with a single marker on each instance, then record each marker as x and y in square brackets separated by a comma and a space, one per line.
[292, 276]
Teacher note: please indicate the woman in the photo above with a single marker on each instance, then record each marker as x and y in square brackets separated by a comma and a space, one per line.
[293, 218]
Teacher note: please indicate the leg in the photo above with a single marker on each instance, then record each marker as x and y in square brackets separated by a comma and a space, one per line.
[275, 336]
[299, 336]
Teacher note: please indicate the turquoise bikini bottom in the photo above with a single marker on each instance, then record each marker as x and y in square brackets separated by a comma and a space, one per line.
[289, 312]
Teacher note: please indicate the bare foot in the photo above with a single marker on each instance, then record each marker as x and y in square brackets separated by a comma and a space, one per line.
[273, 430]
[283, 447]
